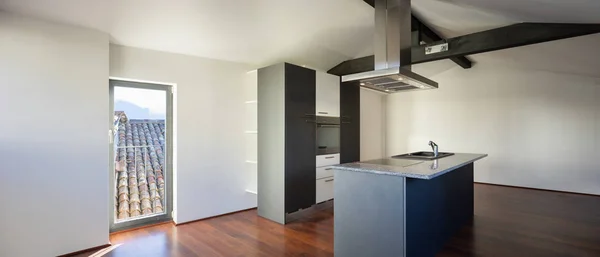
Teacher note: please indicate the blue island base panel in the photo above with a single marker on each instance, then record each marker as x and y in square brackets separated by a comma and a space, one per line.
[437, 209]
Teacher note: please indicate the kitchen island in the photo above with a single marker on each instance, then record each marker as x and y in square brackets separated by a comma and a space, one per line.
[401, 207]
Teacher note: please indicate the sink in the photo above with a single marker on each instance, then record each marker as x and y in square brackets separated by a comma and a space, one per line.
[422, 155]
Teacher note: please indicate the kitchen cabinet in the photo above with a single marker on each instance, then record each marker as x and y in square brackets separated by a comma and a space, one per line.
[324, 176]
[350, 122]
[300, 134]
[324, 189]
[327, 95]
[327, 159]
[324, 172]
[286, 140]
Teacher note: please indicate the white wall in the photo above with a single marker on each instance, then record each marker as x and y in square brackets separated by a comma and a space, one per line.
[53, 138]
[540, 129]
[372, 124]
[210, 176]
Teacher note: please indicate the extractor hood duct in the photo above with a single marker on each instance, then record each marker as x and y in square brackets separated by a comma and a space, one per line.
[393, 44]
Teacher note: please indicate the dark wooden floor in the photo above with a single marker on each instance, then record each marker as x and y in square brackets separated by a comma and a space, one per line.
[508, 222]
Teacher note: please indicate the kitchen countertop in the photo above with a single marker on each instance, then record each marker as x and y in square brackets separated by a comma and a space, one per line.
[420, 169]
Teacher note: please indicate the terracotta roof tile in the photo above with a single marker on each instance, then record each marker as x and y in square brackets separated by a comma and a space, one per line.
[139, 166]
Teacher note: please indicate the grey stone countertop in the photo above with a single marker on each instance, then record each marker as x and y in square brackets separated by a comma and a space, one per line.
[421, 169]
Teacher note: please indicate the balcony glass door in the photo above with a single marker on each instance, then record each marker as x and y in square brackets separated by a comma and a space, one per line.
[141, 173]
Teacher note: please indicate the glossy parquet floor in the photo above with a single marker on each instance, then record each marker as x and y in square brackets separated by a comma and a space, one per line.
[508, 222]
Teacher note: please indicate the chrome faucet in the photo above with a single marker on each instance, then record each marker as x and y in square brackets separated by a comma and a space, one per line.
[434, 147]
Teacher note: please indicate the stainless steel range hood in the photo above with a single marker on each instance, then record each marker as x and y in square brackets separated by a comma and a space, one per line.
[393, 44]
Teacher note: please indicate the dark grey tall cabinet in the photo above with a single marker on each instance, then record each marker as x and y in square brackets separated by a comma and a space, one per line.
[286, 140]
[300, 134]
[350, 122]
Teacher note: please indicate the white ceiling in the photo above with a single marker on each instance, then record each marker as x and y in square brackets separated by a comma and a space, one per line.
[316, 33]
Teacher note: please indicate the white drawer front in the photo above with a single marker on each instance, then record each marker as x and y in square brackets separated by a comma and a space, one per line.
[328, 160]
[324, 189]
[324, 172]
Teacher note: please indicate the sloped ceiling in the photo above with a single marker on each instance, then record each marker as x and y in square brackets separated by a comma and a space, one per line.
[316, 33]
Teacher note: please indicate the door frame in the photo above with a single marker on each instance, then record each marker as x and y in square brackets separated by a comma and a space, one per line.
[169, 171]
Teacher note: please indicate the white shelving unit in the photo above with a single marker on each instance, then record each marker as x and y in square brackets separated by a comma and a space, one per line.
[250, 130]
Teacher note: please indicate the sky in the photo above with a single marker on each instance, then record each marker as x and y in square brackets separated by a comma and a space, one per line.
[141, 103]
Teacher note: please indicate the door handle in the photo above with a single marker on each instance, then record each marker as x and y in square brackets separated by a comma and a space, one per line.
[328, 169]
[330, 157]
[111, 139]
[323, 113]
[329, 180]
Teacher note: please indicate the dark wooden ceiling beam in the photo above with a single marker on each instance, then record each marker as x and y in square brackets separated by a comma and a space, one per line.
[428, 35]
[486, 41]
[370, 2]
